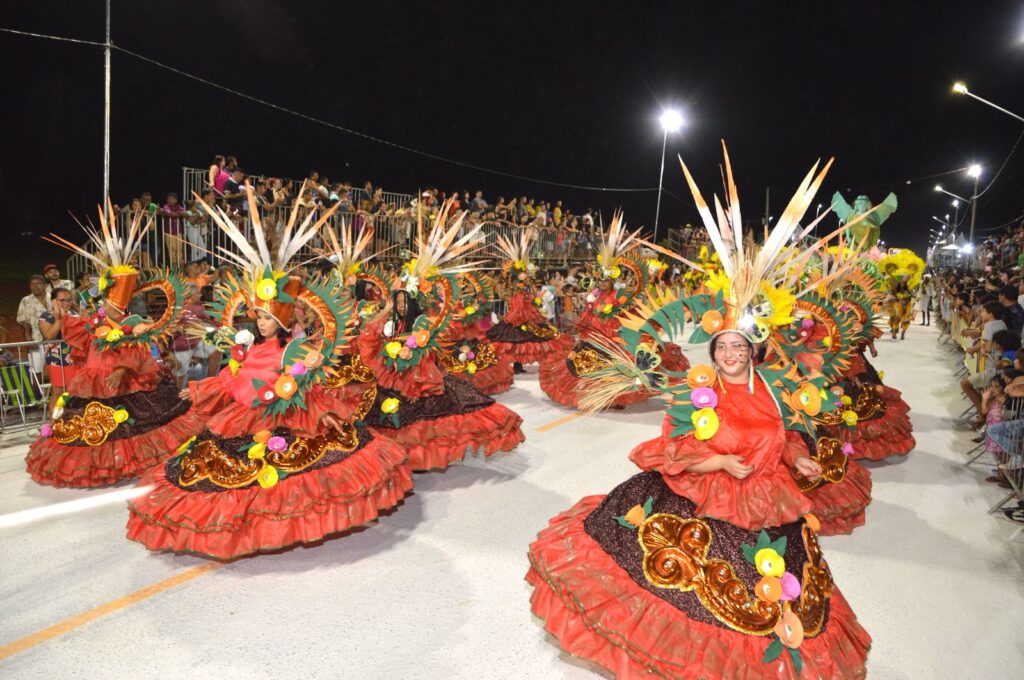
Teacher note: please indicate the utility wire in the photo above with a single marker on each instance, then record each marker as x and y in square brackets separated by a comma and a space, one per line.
[53, 37]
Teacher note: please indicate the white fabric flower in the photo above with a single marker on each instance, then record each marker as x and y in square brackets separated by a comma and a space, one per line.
[389, 328]
[244, 337]
[58, 411]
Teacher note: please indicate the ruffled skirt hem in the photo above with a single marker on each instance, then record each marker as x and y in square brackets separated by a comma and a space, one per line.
[303, 508]
[437, 443]
[599, 614]
[55, 464]
[840, 507]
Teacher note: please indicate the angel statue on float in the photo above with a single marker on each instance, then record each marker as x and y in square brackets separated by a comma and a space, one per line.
[869, 227]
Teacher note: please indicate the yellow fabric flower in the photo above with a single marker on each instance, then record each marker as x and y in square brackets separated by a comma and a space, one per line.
[114, 335]
[268, 476]
[120, 416]
[233, 366]
[519, 264]
[607, 309]
[257, 451]
[615, 272]
[881, 375]
[471, 368]
[846, 400]
[826, 341]
[469, 310]
[769, 563]
[389, 405]
[266, 289]
[850, 418]
[393, 348]
[705, 423]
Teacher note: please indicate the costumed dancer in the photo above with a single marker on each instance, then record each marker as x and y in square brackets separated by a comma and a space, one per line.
[707, 565]
[470, 355]
[437, 417]
[903, 271]
[524, 335]
[621, 278]
[121, 413]
[882, 426]
[286, 458]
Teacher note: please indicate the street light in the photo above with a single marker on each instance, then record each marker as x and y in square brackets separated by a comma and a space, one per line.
[671, 121]
[961, 88]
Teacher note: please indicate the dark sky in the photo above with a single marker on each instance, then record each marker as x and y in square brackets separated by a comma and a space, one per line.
[562, 91]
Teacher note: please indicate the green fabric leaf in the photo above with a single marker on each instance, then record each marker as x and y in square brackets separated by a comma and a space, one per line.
[621, 519]
[648, 506]
[395, 422]
[798, 659]
[779, 545]
[748, 552]
[773, 651]
[763, 540]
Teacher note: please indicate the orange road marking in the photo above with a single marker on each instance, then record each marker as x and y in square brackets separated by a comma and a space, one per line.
[561, 421]
[68, 625]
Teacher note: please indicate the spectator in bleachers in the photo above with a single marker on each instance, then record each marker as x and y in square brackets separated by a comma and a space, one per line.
[234, 191]
[53, 280]
[1014, 314]
[217, 174]
[83, 293]
[33, 306]
[479, 205]
[197, 225]
[173, 224]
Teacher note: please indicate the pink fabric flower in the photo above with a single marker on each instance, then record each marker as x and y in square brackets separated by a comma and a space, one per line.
[46, 431]
[790, 587]
[411, 342]
[277, 444]
[297, 369]
[807, 323]
[704, 397]
[848, 449]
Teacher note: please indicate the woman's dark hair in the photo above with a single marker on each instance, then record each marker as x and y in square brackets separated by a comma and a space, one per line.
[1007, 340]
[84, 275]
[284, 336]
[412, 310]
[713, 347]
[218, 160]
[995, 309]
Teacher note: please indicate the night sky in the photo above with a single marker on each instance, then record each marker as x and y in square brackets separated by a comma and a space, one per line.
[567, 92]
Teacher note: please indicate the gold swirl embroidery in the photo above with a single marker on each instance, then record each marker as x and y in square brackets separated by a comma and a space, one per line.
[869, 404]
[365, 402]
[586, 361]
[208, 461]
[92, 427]
[547, 331]
[829, 455]
[816, 586]
[354, 371]
[675, 556]
[485, 358]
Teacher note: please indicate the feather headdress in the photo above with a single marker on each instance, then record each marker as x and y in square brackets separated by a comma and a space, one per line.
[516, 251]
[113, 253]
[438, 249]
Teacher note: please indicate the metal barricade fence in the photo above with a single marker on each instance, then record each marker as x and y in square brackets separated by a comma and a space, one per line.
[31, 378]
[1004, 444]
[173, 241]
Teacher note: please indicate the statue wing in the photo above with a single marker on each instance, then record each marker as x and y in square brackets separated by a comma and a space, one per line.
[840, 207]
[886, 208]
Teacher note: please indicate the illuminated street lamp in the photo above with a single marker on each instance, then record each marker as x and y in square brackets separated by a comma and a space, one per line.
[961, 88]
[671, 121]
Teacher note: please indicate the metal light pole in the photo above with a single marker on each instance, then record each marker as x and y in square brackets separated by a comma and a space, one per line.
[975, 172]
[671, 120]
[106, 114]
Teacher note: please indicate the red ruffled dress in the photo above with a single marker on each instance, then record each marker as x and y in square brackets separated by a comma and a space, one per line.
[471, 340]
[206, 501]
[559, 373]
[886, 433]
[524, 335]
[632, 598]
[439, 417]
[86, 446]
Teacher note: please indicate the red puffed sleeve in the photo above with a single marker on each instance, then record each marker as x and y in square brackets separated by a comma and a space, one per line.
[73, 332]
[795, 448]
[671, 455]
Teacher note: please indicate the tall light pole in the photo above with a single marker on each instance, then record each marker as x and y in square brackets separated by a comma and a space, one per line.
[975, 172]
[106, 114]
[671, 120]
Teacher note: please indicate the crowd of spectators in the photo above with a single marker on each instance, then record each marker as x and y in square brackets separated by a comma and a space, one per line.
[984, 317]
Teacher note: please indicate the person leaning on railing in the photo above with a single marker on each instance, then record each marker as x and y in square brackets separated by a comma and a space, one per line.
[59, 367]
